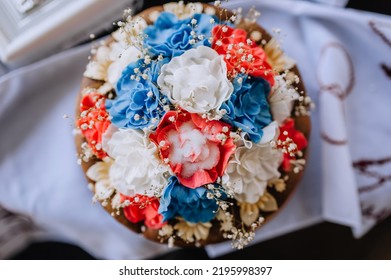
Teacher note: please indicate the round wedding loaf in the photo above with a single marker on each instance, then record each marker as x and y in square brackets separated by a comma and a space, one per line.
[192, 124]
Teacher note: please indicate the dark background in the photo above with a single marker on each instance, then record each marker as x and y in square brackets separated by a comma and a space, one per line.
[322, 241]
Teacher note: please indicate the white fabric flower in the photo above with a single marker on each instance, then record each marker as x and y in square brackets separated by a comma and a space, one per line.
[120, 58]
[136, 168]
[281, 99]
[97, 68]
[99, 172]
[250, 170]
[196, 81]
[109, 61]
[183, 11]
[125, 48]
[270, 132]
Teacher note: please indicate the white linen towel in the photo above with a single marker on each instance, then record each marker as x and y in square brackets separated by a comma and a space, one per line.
[344, 57]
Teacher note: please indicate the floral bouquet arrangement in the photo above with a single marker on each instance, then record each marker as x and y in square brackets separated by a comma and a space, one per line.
[192, 124]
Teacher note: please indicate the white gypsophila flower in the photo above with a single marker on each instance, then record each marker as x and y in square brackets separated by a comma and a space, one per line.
[131, 33]
[281, 99]
[99, 172]
[226, 220]
[183, 11]
[136, 168]
[196, 81]
[250, 170]
[116, 201]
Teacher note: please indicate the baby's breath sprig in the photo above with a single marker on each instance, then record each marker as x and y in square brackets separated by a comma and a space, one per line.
[86, 153]
[252, 15]
[243, 236]
[220, 195]
[240, 236]
[133, 36]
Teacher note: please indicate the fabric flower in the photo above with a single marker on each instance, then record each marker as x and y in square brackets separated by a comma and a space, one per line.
[93, 121]
[121, 58]
[197, 150]
[143, 208]
[191, 232]
[291, 141]
[276, 57]
[249, 212]
[250, 170]
[196, 81]
[110, 60]
[97, 68]
[126, 48]
[242, 55]
[171, 37]
[136, 169]
[247, 108]
[183, 11]
[139, 103]
[99, 172]
[281, 99]
[193, 205]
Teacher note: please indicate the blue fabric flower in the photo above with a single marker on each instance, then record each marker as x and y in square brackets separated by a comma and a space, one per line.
[190, 204]
[138, 103]
[171, 37]
[248, 108]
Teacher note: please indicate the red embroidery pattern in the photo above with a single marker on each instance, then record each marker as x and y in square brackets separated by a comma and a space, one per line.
[375, 26]
[364, 166]
[369, 212]
[332, 141]
[335, 88]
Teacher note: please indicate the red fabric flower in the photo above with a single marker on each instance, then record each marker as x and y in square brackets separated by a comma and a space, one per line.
[143, 208]
[242, 55]
[288, 136]
[196, 149]
[93, 121]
